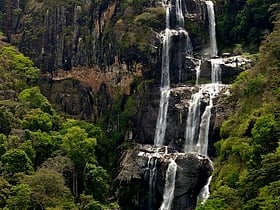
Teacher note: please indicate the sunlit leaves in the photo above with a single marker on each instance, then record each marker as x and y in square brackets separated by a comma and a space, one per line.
[33, 98]
[78, 146]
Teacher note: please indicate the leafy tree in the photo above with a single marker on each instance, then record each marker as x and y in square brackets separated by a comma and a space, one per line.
[20, 197]
[264, 134]
[80, 149]
[15, 161]
[78, 146]
[33, 98]
[4, 191]
[96, 182]
[36, 120]
[43, 144]
[49, 190]
[270, 196]
[6, 120]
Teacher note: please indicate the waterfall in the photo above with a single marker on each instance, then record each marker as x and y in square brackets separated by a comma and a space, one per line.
[197, 69]
[216, 70]
[169, 186]
[202, 143]
[193, 120]
[212, 28]
[179, 14]
[165, 84]
[164, 92]
[150, 174]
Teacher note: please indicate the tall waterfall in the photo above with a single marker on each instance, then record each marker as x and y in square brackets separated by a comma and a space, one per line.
[170, 179]
[198, 121]
[212, 28]
[165, 84]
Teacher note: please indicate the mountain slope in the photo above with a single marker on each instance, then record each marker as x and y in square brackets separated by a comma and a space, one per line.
[247, 166]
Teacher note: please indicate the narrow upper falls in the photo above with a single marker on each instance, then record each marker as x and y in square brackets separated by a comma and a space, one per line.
[212, 28]
[165, 83]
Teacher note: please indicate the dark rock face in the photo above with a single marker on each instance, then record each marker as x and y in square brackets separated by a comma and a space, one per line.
[58, 35]
[179, 103]
[192, 174]
[70, 97]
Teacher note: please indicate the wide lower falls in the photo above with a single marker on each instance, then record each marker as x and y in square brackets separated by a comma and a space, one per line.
[174, 172]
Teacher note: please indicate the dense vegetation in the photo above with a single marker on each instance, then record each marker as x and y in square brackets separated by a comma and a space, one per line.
[47, 161]
[247, 166]
[244, 22]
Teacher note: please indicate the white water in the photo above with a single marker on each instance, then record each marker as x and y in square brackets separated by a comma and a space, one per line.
[179, 13]
[193, 120]
[152, 172]
[197, 69]
[169, 187]
[216, 70]
[212, 28]
[165, 85]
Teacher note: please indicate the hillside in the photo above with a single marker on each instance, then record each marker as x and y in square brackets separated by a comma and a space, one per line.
[46, 158]
[247, 165]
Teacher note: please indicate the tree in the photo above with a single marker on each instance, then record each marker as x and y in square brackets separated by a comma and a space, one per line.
[43, 144]
[96, 182]
[4, 191]
[78, 146]
[15, 161]
[80, 149]
[49, 190]
[6, 120]
[20, 198]
[36, 120]
[33, 98]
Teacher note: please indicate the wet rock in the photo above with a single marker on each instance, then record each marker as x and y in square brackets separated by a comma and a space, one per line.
[192, 174]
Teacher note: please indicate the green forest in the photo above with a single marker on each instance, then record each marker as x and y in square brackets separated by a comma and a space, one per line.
[50, 160]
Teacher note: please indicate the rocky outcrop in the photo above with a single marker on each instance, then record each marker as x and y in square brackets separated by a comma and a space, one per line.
[87, 93]
[192, 174]
[231, 67]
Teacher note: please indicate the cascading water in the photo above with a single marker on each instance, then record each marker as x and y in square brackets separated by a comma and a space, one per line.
[212, 28]
[179, 14]
[169, 187]
[165, 84]
[216, 70]
[198, 119]
[193, 119]
[197, 128]
[150, 175]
